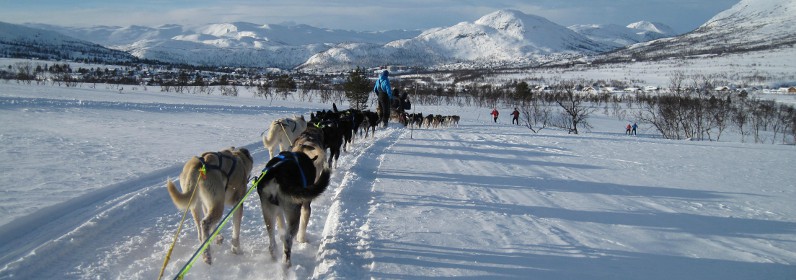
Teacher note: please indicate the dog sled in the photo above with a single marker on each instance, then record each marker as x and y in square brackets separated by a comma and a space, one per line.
[399, 108]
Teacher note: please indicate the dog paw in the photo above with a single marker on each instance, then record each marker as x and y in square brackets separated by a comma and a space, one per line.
[237, 250]
[208, 260]
[220, 239]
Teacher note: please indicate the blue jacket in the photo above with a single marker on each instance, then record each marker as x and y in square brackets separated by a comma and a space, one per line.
[383, 83]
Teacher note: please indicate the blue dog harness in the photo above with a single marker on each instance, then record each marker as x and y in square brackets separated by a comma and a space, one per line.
[282, 158]
[294, 159]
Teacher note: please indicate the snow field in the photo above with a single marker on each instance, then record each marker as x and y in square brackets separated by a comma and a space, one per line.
[479, 201]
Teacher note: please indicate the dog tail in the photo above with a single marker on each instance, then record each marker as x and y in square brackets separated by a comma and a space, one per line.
[179, 198]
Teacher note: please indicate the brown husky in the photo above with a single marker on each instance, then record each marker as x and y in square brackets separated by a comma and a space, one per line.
[223, 180]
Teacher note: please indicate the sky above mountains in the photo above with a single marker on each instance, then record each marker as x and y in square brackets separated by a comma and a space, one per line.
[682, 15]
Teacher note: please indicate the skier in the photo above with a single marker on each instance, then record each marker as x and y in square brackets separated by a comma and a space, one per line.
[495, 114]
[634, 128]
[384, 92]
[515, 116]
[627, 129]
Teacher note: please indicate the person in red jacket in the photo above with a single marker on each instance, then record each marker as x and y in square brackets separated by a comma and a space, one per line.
[495, 114]
[515, 116]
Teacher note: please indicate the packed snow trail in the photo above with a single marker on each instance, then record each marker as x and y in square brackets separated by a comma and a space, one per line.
[344, 248]
[486, 201]
[482, 200]
[130, 243]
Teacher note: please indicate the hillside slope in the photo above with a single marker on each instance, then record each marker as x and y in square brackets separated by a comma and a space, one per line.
[750, 25]
[24, 42]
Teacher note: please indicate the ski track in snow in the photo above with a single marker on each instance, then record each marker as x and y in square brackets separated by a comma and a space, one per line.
[345, 247]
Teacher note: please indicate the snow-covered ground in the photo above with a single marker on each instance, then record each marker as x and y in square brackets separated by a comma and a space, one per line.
[83, 196]
[770, 68]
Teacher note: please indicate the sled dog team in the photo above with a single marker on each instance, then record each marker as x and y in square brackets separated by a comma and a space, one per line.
[286, 187]
[299, 173]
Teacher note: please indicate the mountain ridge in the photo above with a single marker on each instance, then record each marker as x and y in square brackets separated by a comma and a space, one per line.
[504, 38]
[620, 36]
[749, 25]
[499, 38]
[25, 42]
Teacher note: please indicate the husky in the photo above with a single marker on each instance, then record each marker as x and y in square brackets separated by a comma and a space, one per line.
[438, 121]
[216, 178]
[312, 142]
[416, 120]
[286, 187]
[370, 122]
[282, 133]
[428, 120]
[452, 120]
[331, 127]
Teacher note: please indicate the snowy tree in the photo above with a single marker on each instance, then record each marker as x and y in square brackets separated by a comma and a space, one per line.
[575, 110]
[357, 89]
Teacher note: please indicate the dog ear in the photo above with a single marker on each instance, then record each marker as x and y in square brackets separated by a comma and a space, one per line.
[246, 152]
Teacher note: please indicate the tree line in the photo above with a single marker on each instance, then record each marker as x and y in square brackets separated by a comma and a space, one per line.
[690, 108]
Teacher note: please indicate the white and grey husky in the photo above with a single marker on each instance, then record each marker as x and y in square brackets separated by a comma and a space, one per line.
[282, 133]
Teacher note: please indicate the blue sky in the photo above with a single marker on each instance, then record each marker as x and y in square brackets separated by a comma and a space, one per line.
[682, 15]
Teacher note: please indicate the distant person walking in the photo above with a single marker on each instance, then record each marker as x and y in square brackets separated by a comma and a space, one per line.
[384, 92]
[634, 128]
[627, 129]
[515, 116]
[495, 114]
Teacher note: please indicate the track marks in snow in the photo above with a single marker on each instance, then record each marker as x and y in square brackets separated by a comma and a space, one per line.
[109, 223]
[344, 250]
[128, 225]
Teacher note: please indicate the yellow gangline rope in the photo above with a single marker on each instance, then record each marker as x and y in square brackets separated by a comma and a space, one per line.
[220, 225]
[288, 136]
[182, 221]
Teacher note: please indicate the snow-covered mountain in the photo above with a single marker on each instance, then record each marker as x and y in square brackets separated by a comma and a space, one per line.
[234, 34]
[620, 36]
[646, 27]
[228, 44]
[499, 38]
[25, 42]
[115, 36]
[750, 25]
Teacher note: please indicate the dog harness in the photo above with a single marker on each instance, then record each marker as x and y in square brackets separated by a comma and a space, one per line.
[289, 122]
[221, 157]
[282, 158]
[293, 158]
